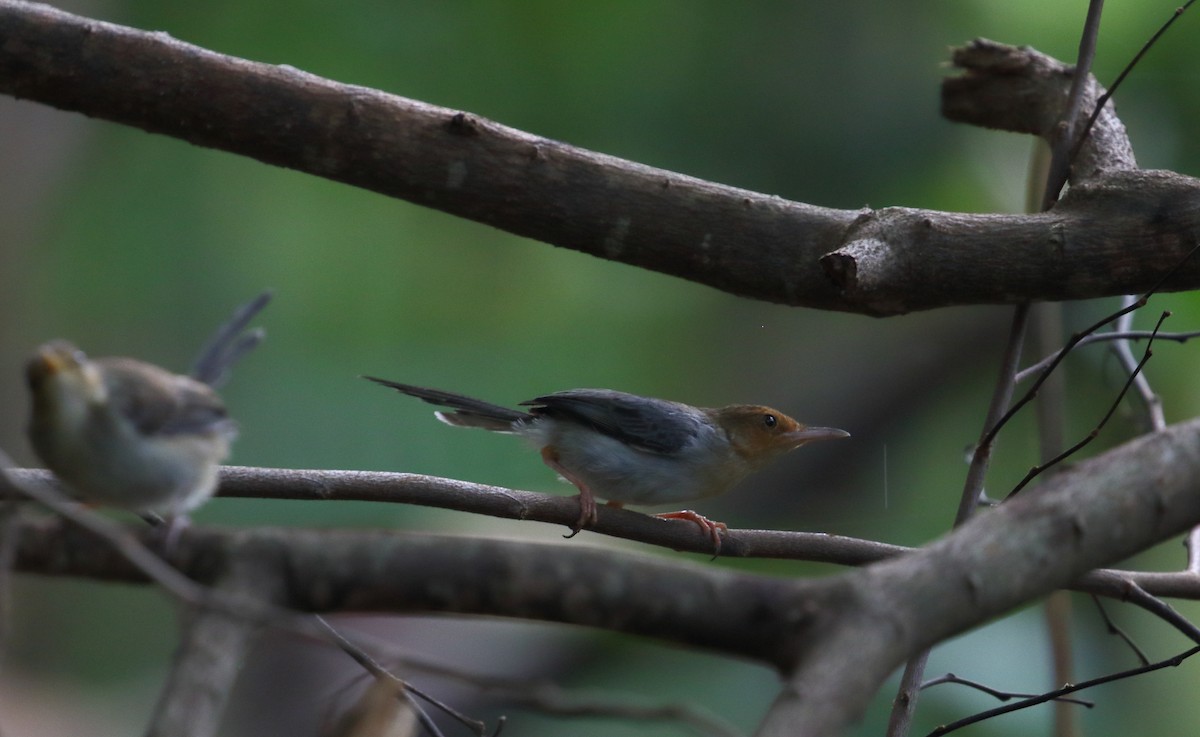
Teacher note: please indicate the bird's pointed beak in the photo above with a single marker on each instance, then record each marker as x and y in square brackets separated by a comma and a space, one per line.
[811, 434]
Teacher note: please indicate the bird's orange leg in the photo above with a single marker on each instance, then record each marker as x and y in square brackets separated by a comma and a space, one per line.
[587, 502]
[714, 529]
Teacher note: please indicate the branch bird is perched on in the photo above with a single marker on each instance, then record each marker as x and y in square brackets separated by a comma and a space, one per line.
[631, 449]
[129, 434]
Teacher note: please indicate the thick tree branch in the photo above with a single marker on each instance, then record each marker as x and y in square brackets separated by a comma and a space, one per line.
[1118, 235]
[1098, 512]
[329, 571]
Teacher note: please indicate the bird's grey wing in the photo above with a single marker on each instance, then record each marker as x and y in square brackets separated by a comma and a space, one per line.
[468, 412]
[649, 424]
[158, 402]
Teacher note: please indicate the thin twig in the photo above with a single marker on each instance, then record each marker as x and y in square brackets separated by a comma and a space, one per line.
[1124, 354]
[1138, 596]
[904, 705]
[995, 693]
[1059, 169]
[1100, 103]
[1058, 693]
[1063, 147]
[1038, 469]
[372, 666]
[548, 697]
[154, 567]
[318, 629]
[1001, 396]
[1077, 337]
[1118, 335]
[1113, 629]
[190, 592]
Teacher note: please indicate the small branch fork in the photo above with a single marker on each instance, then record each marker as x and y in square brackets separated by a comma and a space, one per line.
[1059, 693]
[1095, 432]
[1075, 341]
[997, 694]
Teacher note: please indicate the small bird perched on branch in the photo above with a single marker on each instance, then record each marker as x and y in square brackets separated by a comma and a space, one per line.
[129, 434]
[631, 449]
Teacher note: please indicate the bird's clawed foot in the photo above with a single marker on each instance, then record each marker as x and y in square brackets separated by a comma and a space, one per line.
[587, 513]
[714, 529]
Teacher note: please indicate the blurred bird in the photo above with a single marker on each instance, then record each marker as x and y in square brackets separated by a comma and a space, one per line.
[129, 434]
[631, 449]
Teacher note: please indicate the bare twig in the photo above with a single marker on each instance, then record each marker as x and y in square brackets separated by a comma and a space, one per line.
[1077, 337]
[154, 567]
[1095, 432]
[247, 607]
[549, 697]
[1124, 354]
[372, 666]
[996, 415]
[1113, 335]
[1100, 103]
[905, 703]
[1000, 695]
[1064, 145]
[1058, 693]
[1113, 629]
[404, 488]
[396, 488]
[1137, 595]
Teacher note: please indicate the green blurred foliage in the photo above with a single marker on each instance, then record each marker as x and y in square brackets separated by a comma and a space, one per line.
[136, 244]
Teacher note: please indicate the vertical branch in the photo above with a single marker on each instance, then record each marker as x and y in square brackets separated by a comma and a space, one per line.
[1051, 422]
[1154, 410]
[905, 703]
[1001, 398]
[1051, 409]
[210, 653]
[1069, 129]
[1059, 168]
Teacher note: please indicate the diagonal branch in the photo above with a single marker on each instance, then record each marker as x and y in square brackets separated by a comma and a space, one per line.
[1117, 235]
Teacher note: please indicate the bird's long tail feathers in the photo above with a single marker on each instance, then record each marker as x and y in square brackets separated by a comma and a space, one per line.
[230, 343]
[467, 412]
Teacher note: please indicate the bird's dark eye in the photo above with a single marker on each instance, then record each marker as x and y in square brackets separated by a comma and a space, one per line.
[769, 420]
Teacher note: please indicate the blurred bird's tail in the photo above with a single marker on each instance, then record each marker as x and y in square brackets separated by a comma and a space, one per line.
[230, 343]
[467, 412]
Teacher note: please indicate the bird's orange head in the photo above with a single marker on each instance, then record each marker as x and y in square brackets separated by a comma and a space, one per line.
[760, 433]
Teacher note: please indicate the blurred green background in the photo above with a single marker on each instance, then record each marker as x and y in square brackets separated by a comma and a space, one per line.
[129, 243]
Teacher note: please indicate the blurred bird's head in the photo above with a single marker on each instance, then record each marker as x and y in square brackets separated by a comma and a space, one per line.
[61, 378]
